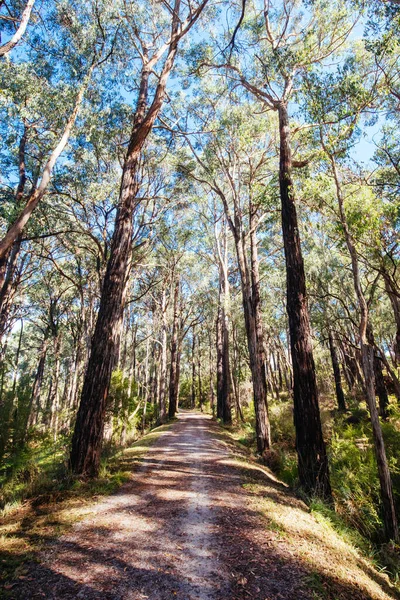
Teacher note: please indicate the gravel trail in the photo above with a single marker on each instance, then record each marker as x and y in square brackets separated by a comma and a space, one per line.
[185, 527]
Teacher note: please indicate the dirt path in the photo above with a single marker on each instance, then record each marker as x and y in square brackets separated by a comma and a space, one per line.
[187, 528]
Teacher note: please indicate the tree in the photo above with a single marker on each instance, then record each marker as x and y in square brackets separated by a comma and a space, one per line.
[25, 16]
[88, 432]
[220, 166]
[367, 361]
[41, 184]
[224, 373]
[288, 44]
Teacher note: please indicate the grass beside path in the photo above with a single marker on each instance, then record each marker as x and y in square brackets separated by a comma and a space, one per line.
[340, 562]
[26, 527]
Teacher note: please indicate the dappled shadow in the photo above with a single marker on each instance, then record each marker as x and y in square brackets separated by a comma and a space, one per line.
[185, 528]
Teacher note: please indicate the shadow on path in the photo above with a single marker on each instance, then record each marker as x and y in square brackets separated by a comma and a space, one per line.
[185, 528]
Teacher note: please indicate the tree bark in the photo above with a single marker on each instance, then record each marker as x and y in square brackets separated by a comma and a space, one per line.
[250, 311]
[310, 445]
[193, 399]
[336, 373]
[174, 372]
[211, 374]
[89, 427]
[163, 368]
[199, 377]
[220, 364]
[37, 385]
[224, 376]
[380, 387]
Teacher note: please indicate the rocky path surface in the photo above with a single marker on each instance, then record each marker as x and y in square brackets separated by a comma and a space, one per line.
[186, 528]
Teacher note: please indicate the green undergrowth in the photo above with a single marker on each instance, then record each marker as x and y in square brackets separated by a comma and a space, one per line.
[41, 501]
[357, 517]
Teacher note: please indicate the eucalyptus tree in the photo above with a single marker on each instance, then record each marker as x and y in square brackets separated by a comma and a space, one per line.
[170, 24]
[224, 372]
[20, 30]
[350, 94]
[174, 372]
[382, 40]
[214, 248]
[83, 45]
[43, 91]
[386, 180]
[284, 41]
[367, 358]
[231, 164]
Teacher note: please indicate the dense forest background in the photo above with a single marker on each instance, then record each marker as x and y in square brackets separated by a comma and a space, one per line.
[200, 207]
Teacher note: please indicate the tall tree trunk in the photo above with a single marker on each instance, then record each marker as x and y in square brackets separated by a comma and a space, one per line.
[37, 385]
[224, 383]
[211, 374]
[226, 404]
[89, 427]
[310, 445]
[236, 378]
[163, 369]
[395, 302]
[55, 397]
[8, 283]
[336, 373]
[178, 370]
[380, 387]
[367, 361]
[220, 364]
[173, 376]
[199, 377]
[261, 381]
[263, 433]
[157, 355]
[193, 403]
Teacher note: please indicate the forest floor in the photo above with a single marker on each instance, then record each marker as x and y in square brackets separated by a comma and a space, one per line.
[198, 520]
